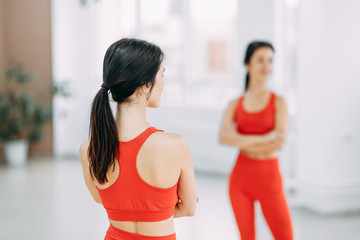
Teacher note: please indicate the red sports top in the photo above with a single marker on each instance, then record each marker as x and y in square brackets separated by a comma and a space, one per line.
[259, 122]
[130, 198]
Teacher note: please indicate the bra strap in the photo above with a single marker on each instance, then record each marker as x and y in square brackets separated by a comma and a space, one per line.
[146, 134]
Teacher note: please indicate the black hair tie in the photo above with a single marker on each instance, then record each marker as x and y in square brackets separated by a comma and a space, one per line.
[104, 85]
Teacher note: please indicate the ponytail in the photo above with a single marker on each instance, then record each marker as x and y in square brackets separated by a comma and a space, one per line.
[247, 81]
[104, 146]
[128, 64]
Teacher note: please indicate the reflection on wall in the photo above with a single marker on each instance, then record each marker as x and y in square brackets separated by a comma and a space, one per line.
[203, 47]
[204, 42]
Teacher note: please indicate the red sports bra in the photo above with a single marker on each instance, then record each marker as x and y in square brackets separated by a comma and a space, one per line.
[130, 198]
[259, 122]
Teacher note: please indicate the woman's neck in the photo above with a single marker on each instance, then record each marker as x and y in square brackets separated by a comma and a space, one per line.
[130, 120]
[257, 88]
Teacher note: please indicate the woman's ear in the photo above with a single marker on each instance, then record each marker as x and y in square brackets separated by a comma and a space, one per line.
[247, 66]
[146, 88]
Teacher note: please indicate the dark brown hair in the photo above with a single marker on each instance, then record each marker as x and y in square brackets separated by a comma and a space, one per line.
[250, 51]
[128, 64]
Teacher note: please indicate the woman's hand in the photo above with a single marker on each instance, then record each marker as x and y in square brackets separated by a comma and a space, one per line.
[276, 136]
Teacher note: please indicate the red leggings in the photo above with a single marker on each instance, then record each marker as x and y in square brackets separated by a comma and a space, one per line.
[114, 233]
[260, 180]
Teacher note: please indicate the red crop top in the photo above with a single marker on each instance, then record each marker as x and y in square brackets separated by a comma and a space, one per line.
[130, 198]
[259, 122]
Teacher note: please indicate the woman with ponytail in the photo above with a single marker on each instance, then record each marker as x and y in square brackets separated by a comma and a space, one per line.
[257, 123]
[142, 176]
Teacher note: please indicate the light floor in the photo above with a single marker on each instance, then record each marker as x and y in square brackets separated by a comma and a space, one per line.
[48, 200]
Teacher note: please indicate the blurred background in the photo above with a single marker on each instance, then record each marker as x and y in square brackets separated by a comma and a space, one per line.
[52, 51]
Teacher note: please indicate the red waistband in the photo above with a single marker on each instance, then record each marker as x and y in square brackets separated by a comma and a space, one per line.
[245, 157]
[114, 233]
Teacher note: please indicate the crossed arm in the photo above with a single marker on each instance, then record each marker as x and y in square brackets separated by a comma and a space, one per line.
[87, 177]
[255, 144]
[186, 187]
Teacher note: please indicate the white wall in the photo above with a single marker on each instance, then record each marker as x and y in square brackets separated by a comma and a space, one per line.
[329, 114]
[72, 61]
[80, 37]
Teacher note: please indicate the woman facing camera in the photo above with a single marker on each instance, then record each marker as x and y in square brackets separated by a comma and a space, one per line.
[257, 124]
[142, 176]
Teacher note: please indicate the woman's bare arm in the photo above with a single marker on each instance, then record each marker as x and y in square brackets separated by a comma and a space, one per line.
[86, 172]
[186, 186]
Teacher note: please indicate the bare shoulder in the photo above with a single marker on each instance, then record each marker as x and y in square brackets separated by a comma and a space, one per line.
[280, 101]
[169, 148]
[230, 109]
[230, 112]
[168, 141]
[233, 103]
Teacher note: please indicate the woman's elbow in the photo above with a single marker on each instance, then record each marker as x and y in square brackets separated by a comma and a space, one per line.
[281, 146]
[277, 146]
[188, 209]
[223, 139]
[190, 212]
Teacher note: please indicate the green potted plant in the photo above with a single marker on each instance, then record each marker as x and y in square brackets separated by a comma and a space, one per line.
[21, 117]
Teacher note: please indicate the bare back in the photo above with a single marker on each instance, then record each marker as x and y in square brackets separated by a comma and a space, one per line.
[158, 164]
